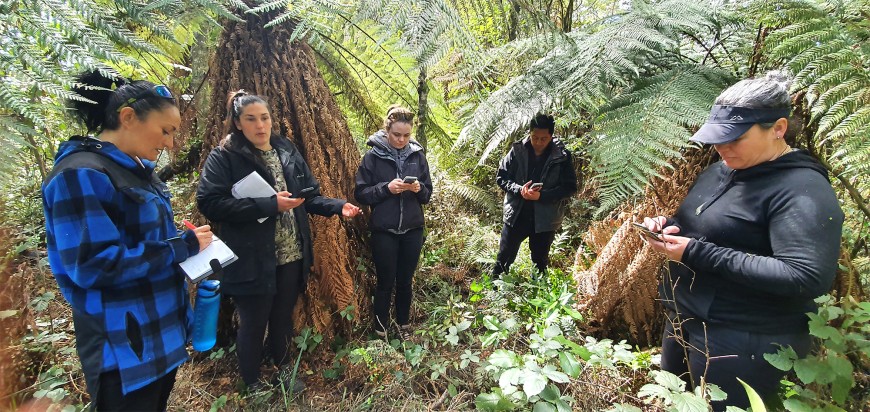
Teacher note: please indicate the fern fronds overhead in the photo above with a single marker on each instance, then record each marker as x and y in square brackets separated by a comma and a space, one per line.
[586, 68]
[824, 44]
[642, 129]
[46, 41]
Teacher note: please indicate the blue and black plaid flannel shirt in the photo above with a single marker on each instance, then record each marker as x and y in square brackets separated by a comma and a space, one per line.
[114, 255]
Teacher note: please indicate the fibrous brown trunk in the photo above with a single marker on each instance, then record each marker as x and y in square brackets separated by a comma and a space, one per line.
[265, 62]
[620, 291]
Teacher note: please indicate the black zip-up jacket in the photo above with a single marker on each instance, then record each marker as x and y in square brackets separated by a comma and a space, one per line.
[392, 213]
[558, 177]
[765, 243]
[253, 242]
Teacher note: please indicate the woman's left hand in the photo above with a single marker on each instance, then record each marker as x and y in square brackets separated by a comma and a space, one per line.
[414, 187]
[671, 246]
[350, 210]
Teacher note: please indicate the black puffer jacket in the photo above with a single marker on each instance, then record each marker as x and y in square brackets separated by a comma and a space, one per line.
[236, 219]
[392, 213]
[558, 177]
[765, 242]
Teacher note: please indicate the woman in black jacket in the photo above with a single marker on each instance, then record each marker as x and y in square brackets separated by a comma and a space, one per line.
[275, 254]
[394, 179]
[759, 238]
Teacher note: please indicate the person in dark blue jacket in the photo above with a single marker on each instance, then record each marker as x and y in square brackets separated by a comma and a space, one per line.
[537, 177]
[393, 178]
[756, 239]
[275, 253]
[113, 246]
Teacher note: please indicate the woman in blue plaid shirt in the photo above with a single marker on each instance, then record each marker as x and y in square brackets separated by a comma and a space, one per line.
[113, 246]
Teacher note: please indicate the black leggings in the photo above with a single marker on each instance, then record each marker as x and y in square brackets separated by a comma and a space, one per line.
[396, 258]
[152, 397]
[733, 353]
[256, 311]
[509, 246]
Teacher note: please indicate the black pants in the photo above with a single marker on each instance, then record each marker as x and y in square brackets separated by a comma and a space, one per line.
[513, 236]
[152, 397]
[396, 258]
[733, 353]
[276, 311]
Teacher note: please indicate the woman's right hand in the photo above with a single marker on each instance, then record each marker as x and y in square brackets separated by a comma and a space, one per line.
[657, 224]
[285, 202]
[397, 186]
[203, 236]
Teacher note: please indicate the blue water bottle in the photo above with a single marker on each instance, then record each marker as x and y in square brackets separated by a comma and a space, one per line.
[205, 315]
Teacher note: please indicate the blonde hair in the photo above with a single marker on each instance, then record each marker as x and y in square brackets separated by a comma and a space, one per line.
[397, 113]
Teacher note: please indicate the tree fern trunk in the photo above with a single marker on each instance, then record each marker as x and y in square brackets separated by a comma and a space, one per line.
[265, 62]
[620, 290]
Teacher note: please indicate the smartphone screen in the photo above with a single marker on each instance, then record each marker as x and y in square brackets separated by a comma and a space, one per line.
[409, 179]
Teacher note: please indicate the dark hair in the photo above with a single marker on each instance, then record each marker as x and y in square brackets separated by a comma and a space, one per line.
[236, 103]
[397, 113]
[543, 121]
[768, 92]
[103, 110]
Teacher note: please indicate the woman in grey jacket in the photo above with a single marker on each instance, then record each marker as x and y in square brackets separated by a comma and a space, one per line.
[393, 179]
[754, 242]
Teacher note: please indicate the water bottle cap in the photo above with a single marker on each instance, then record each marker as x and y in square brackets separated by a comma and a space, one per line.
[210, 285]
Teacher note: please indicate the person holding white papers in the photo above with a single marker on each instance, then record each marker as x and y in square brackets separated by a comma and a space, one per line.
[274, 254]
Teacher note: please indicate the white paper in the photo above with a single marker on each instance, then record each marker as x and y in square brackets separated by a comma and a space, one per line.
[198, 266]
[253, 185]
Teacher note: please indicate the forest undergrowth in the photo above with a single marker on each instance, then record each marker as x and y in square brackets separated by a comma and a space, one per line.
[516, 343]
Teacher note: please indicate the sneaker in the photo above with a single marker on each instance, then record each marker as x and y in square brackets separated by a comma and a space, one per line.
[285, 378]
[405, 332]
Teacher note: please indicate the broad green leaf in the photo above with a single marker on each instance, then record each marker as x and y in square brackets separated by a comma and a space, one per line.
[555, 375]
[840, 365]
[840, 388]
[570, 364]
[755, 401]
[624, 408]
[552, 331]
[806, 369]
[783, 359]
[503, 358]
[542, 406]
[796, 405]
[533, 382]
[550, 393]
[689, 402]
[716, 393]
[493, 402]
[652, 390]
[669, 380]
[510, 377]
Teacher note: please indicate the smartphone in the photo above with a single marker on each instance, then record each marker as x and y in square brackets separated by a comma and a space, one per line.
[536, 186]
[648, 233]
[306, 191]
[409, 179]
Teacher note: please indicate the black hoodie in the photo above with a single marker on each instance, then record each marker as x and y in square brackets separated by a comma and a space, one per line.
[383, 163]
[765, 243]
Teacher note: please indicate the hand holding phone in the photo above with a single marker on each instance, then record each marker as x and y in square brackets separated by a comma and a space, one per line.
[409, 179]
[536, 186]
[648, 233]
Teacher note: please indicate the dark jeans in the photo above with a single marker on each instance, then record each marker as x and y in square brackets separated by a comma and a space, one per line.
[152, 397]
[513, 236]
[396, 258]
[733, 354]
[256, 311]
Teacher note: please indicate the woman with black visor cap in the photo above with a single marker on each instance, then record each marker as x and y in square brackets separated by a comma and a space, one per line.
[753, 243]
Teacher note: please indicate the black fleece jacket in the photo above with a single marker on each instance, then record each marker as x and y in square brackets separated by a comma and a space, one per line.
[765, 243]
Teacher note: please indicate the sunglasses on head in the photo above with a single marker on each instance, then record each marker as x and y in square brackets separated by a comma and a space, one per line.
[160, 90]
